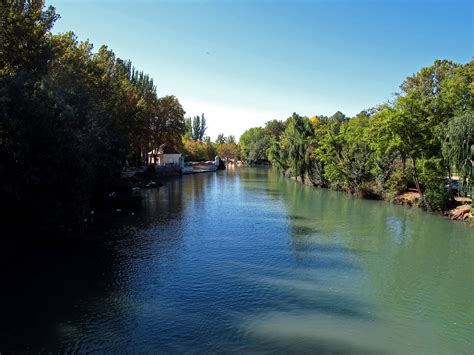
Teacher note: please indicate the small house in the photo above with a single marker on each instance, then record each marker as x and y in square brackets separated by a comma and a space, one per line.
[166, 156]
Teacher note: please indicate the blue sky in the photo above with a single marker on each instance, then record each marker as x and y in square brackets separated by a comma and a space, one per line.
[245, 62]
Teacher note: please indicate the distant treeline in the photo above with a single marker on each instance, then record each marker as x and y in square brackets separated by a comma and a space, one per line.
[197, 146]
[71, 118]
[425, 135]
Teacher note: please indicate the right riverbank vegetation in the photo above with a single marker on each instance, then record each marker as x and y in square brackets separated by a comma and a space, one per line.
[417, 149]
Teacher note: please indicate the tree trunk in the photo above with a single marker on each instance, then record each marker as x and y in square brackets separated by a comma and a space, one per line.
[415, 176]
[464, 186]
[417, 182]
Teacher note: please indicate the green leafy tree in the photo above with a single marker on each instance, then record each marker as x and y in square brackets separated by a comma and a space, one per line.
[458, 148]
[275, 128]
[231, 139]
[196, 131]
[254, 144]
[220, 139]
[24, 37]
[346, 153]
[338, 117]
[188, 128]
[70, 119]
[169, 126]
[295, 141]
[202, 128]
[198, 128]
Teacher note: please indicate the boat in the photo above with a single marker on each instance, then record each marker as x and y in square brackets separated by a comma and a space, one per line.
[199, 167]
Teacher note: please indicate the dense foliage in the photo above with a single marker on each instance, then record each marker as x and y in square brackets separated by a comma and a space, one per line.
[195, 150]
[421, 138]
[70, 118]
[195, 128]
[227, 148]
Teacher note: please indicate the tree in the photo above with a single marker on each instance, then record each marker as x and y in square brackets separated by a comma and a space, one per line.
[277, 156]
[188, 127]
[196, 132]
[231, 139]
[344, 148]
[338, 117]
[24, 41]
[70, 119]
[169, 125]
[228, 150]
[274, 128]
[458, 147]
[295, 141]
[197, 128]
[198, 150]
[202, 128]
[389, 160]
[254, 144]
[220, 139]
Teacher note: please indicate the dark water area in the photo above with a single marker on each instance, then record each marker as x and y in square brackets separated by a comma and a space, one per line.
[244, 260]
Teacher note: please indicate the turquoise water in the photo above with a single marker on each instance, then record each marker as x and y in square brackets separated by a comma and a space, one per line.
[244, 260]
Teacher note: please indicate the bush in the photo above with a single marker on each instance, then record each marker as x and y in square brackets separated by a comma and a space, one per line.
[432, 178]
[396, 183]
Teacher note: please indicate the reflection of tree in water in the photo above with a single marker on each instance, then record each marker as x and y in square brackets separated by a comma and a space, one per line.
[57, 294]
[398, 254]
[164, 204]
[45, 287]
[305, 286]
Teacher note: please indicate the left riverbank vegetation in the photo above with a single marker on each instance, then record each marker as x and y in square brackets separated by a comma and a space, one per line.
[422, 141]
[71, 118]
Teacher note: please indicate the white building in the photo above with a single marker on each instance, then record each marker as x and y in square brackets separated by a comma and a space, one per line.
[166, 156]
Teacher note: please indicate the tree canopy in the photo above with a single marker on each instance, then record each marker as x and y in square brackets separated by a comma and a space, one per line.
[418, 140]
[70, 117]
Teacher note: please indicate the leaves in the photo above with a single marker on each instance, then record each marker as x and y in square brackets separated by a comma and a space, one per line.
[70, 118]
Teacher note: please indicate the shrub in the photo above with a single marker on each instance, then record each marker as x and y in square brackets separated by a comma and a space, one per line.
[396, 183]
[432, 178]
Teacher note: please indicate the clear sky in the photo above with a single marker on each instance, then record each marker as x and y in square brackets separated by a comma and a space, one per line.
[244, 62]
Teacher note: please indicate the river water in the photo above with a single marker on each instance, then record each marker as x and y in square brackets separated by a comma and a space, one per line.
[244, 260]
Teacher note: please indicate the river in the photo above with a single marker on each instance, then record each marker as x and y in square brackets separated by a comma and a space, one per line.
[244, 260]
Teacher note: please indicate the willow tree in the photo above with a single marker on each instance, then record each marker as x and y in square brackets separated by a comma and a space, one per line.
[277, 156]
[295, 141]
[458, 147]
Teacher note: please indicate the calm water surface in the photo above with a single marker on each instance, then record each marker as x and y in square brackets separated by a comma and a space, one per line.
[244, 260]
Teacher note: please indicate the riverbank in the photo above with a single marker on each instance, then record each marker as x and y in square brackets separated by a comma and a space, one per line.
[459, 209]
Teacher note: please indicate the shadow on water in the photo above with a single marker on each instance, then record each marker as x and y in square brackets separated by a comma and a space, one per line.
[49, 287]
[45, 288]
